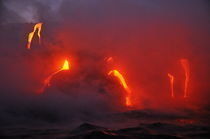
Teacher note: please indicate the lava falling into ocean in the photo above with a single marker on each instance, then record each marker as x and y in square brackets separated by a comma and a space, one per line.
[117, 64]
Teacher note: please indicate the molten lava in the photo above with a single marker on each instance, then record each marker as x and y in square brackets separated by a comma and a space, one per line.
[171, 77]
[38, 27]
[185, 65]
[65, 65]
[48, 79]
[117, 74]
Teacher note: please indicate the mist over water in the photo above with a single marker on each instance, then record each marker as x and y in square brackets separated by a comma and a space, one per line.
[145, 38]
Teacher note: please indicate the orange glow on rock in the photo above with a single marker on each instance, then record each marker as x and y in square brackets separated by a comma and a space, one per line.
[185, 65]
[171, 77]
[117, 74]
[38, 27]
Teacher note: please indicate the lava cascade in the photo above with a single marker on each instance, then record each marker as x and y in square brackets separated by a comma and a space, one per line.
[117, 74]
[38, 27]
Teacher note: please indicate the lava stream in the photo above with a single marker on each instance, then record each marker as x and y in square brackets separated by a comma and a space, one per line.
[171, 77]
[117, 74]
[48, 79]
[185, 65]
[38, 27]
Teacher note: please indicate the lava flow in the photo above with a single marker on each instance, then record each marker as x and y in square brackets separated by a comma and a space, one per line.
[185, 65]
[117, 74]
[38, 27]
[48, 79]
[171, 77]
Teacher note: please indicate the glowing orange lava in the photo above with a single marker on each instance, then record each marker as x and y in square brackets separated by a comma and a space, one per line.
[171, 77]
[117, 74]
[38, 27]
[65, 65]
[48, 79]
[185, 65]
